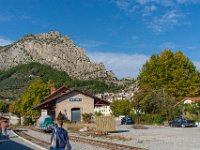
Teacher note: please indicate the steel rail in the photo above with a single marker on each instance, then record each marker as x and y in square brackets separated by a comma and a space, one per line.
[102, 144]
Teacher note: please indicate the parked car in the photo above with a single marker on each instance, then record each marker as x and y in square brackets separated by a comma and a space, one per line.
[127, 120]
[182, 122]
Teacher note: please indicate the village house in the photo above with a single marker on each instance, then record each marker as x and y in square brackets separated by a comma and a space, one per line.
[13, 119]
[189, 100]
[106, 110]
[117, 96]
[70, 102]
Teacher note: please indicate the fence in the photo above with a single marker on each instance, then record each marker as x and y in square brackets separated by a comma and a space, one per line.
[105, 124]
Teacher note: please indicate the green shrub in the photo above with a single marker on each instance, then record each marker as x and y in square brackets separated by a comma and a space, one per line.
[28, 121]
[4, 107]
[133, 115]
[120, 107]
[152, 119]
[191, 116]
[98, 114]
[146, 118]
[158, 119]
[87, 117]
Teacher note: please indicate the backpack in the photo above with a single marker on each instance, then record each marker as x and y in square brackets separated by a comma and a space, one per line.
[61, 140]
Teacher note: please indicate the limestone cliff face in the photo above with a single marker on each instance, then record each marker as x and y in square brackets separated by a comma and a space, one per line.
[55, 50]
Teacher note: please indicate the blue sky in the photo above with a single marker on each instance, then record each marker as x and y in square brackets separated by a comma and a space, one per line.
[120, 33]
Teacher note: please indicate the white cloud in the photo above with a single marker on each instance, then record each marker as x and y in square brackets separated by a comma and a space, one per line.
[148, 10]
[166, 21]
[128, 65]
[4, 41]
[197, 64]
[177, 46]
[165, 3]
[24, 17]
[134, 38]
[128, 4]
[123, 65]
[4, 17]
[188, 1]
[168, 45]
[158, 15]
[123, 4]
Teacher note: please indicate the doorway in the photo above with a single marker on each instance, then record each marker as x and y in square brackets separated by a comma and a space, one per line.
[75, 115]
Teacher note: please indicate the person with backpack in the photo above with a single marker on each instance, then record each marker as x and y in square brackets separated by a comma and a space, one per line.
[0, 130]
[5, 128]
[59, 137]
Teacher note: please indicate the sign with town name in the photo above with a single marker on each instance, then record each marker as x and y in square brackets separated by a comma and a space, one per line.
[75, 99]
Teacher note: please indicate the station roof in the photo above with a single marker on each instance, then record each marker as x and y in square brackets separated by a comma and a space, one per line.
[50, 101]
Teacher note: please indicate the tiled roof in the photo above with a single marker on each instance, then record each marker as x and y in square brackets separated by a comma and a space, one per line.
[57, 94]
[193, 99]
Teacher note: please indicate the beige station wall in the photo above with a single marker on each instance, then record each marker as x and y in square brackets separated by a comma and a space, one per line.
[64, 105]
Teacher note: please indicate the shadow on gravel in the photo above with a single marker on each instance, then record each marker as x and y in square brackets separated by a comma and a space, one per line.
[139, 127]
[119, 131]
[20, 130]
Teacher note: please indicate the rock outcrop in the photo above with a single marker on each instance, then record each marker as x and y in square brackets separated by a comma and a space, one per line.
[55, 50]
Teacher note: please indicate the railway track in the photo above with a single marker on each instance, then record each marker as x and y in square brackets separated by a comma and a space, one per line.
[107, 145]
[32, 139]
[102, 144]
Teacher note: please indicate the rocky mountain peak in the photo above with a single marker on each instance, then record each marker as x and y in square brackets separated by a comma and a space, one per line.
[55, 50]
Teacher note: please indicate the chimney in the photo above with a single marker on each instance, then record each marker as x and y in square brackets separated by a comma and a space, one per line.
[52, 88]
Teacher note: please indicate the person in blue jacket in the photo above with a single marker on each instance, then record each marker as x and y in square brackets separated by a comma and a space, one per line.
[59, 137]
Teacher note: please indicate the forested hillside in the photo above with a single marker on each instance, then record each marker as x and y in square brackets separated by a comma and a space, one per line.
[16, 80]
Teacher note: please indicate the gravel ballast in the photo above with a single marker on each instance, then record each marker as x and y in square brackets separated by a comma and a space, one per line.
[75, 145]
[162, 138]
[150, 137]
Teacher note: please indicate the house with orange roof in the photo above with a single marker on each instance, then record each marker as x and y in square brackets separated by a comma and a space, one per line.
[189, 100]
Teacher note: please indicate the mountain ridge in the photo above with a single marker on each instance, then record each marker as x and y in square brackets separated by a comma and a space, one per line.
[54, 50]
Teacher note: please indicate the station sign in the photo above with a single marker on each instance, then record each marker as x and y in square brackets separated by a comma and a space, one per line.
[75, 99]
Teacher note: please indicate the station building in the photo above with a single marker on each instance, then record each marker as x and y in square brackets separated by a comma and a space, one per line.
[70, 102]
